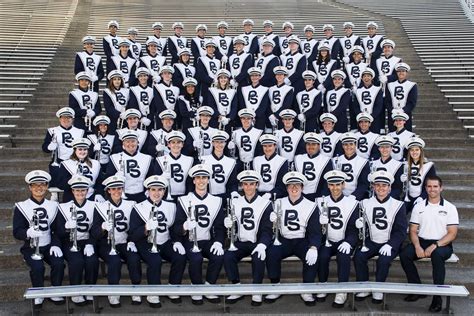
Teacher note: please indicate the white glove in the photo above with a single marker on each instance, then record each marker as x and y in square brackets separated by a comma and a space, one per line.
[354, 90]
[197, 143]
[234, 195]
[273, 120]
[301, 117]
[386, 250]
[228, 221]
[383, 79]
[231, 145]
[156, 78]
[344, 248]
[346, 60]
[323, 220]
[89, 250]
[403, 178]
[94, 78]
[97, 146]
[178, 247]
[267, 196]
[90, 113]
[70, 224]
[273, 217]
[287, 82]
[52, 146]
[151, 224]
[131, 247]
[260, 250]
[321, 88]
[145, 121]
[233, 83]
[359, 223]
[99, 198]
[166, 175]
[224, 59]
[32, 233]
[367, 56]
[107, 226]
[224, 121]
[160, 147]
[311, 256]
[189, 224]
[55, 251]
[216, 249]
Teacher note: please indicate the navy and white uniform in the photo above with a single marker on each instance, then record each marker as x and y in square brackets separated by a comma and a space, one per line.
[121, 213]
[210, 228]
[309, 48]
[206, 70]
[366, 147]
[273, 37]
[386, 66]
[313, 167]
[267, 63]
[178, 168]
[347, 43]
[106, 142]
[342, 214]
[369, 99]
[251, 43]
[357, 169]
[354, 73]
[91, 63]
[224, 44]
[175, 44]
[223, 102]
[394, 167]
[126, 65]
[290, 143]
[110, 45]
[141, 98]
[135, 50]
[89, 169]
[372, 46]
[329, 144]
[253, 227]
[299, 231]
[334, 44]
[164, 239]
[181, 72]
[153, 64]
[162, 44]
[401, 138]
[142, 137]
[256, 99]
[199, 133]
[115, 102]
[187, 109]
[197, 47]
[165, 97]
[309, 103]
[81, 101]
[296, 63]
[386, 224]
[417, 180]
[80, 266]
[157, 137]
[401, 95]
[238, 65]
[284, 46]
[223, 178]
[337, 102]
[46, 211]
[281, 98]
[271, 170]
[323, 70]
[246, 143]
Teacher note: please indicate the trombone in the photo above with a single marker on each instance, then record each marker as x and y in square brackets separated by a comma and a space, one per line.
[231, 230]
[193, 233]
[73, 232]
[277, 224]
[152, 234]
[34, 242]
[111, 234]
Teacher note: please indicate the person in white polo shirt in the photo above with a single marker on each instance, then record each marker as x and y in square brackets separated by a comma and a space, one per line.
[433, 227]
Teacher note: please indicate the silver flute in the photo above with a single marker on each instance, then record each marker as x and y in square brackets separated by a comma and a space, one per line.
[193, 233]
[111, 234]
[34, 242]
[277, 224]
[152, 234]
[362, 231]
[73, 232]
[231, 230]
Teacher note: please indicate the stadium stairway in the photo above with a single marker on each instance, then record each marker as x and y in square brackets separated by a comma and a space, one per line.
[22, 152]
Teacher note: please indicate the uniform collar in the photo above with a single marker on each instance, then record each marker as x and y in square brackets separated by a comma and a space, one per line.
[79, 205]
[116, 205]
[175, 158]
[351, 157]
[271, 157]
[386, 161]
[151, 202]
[254, 197]
[217, 158]
[401, 131]
[199, 197]
[64, 128]
[36, 201]
[313, 156]
[384, 200]
[338, 199]
[297, 201]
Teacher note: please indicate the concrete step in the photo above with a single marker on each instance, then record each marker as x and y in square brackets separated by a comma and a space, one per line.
[449, 152]
[441, 131]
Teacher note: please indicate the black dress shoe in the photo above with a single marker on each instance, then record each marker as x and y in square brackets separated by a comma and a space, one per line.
[436, 304]
[216, 300]
[154, 305]
[197, 302]
[175, 300]
[374, 301]
[254, 303]
[57, 303]
[413, 297]
[335, 305]
[115, 305]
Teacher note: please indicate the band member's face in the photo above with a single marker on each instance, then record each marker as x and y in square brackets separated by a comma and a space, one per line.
[324, 53]
[157, 32]
[79, 194]
[287, 122]
[387, 50]
[288, 30]
[268, 29]
[218, 146]
[246, 122]
[357, 56]
[294, 191]
[415, 153]
[348, 31]
[280, 78]
[249, 188]
[113, 29]
[433, 189]
[364, 125]
[117, 82]
[372, 31]
[167, 76]
[308, 34]
[204, 119]
[336, 189]
[239, 47]
[175, 146]
[367, 79]
[115, 193]
[81, 152]
[267, 49]
[201, 32]
[130, 145]
[133, 37]
[255, 79]
[190, 89]
[248, 28]
[65, 121]
[402, 75]
[83, 83]
[143, 79]
[308, 83]
[223, 80]
[210, 50]
[156, 193]
[103, 128]
[38, 190]
[153, 49]
[269, 149]
[312, 148]
[178, 31]
[89, 47]
[201, 183]
[167, 123]
[337, 81]
[349, 148]
[294, 47]
[328, 126]
[382, 190]
[133, 122]
[221, 31]
[385, 151]
[185, 58]
[399, 123]
[123, 50]
[328, 33]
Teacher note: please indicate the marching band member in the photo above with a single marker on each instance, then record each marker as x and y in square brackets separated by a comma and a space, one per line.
[153, 61]
[354, 68]
[165, 94]
[123, 62]
[223, 178]
[267, 61]
[338, 214]
[309, 44]
[251, 40]
[32, 223]
[295, 62]
[222, 97]
[400, 135]
[198, 138]
[156, 142]
[206, 67]
[79, 164]
[224, 42]
[239, 63]
[387, 163]
[309, 103]
[135, 48]
[281, 97]
[298, 232]
[290, 140]
[245, 139]
[333, 43]
[323, 66]
[269, 35]
[141, 97]
[183, 69]
[175, 166]
[109, 231]
[356, 167]
[365, 138]
[433, 228]
[188, 103]
[368, 98]
[84, 102]
[150, 230]
[402, 94]
[386, 222]
[287, 28]
[255, 97]
[132, 165]
[198, 48]
[110, 42]
[313, 165]
[161, 42]
[385, 64]
[329, 136]
[72, 226]
[271, 167]
[115, 98]
[249, 218]
[102, 141]
[58, 140]
[89, 62]
[349, 42]
[200, 223]
[337, 100]
[371, 44]
[132, 117]
[176, 42]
